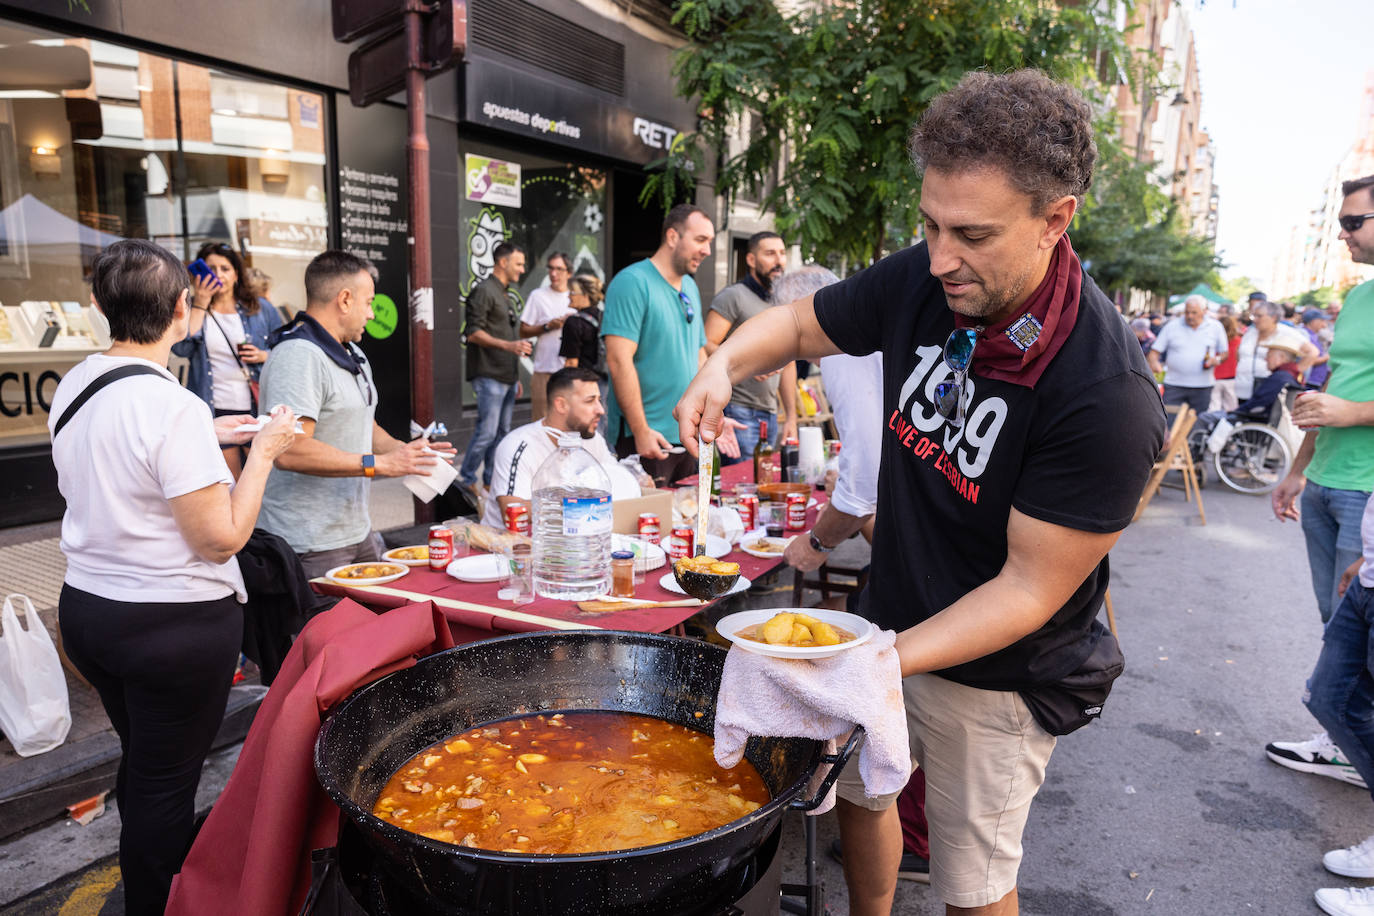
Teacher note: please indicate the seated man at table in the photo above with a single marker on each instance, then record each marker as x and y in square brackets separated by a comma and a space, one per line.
[574, 405]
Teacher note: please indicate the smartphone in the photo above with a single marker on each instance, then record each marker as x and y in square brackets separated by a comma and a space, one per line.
[199, 268]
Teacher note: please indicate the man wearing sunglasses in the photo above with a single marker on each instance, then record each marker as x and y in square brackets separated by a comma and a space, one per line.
[655, 342]
[1333, 472]
[1020, 422]
[317, 499]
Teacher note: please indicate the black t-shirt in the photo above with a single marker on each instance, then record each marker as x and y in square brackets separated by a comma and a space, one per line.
[582, 341]
[1073, 451]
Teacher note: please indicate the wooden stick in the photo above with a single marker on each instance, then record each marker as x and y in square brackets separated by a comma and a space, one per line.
[602, 607]
[552, 623]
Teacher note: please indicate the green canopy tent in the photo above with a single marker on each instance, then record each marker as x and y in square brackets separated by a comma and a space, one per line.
[1203, 290]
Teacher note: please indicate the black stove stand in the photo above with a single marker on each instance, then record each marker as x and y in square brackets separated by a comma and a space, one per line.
[349, 880]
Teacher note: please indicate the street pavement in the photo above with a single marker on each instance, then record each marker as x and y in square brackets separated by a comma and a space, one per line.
[1165, 806]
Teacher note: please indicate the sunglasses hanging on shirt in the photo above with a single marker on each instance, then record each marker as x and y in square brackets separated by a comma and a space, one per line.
[688, 310]
[949, 396]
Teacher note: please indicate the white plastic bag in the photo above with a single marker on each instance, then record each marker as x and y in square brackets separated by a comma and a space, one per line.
[34, 713]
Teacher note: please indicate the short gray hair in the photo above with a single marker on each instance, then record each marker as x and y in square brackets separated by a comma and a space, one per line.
[1196, 299]
[1265, 307]
[802, 282]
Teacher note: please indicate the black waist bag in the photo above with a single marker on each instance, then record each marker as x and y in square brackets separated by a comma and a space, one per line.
[1071, 703]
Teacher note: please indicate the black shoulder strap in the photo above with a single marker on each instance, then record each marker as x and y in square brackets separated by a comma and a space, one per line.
[101, 381]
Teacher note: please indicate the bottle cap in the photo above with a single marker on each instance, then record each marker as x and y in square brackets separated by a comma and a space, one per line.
[622, 555]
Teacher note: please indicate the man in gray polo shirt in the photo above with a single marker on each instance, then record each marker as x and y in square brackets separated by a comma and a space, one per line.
[755, 400]
[317, 499]
[1192, 346]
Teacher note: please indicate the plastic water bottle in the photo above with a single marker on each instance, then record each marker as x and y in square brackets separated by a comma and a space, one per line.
[572, 524]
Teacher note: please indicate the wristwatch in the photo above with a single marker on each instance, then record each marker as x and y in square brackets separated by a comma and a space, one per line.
[816, 544]
[369, 465]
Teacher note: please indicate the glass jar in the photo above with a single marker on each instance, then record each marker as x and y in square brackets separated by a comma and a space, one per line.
[622, 574]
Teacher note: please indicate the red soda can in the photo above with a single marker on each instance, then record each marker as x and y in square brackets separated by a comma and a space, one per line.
[681, 542]
[796, 511]
[518, 519]
[649, 527]
[440, 547]
[748, 508]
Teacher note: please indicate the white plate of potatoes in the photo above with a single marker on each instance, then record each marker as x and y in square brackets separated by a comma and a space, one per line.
[795, 632]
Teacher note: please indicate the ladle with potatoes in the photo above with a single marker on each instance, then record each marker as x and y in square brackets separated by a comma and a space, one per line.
[701, 576]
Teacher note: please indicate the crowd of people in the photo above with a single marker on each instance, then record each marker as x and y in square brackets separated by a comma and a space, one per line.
[994, 406]
[1213, 356]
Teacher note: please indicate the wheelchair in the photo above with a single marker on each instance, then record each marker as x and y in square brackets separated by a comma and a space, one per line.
[1250, 453]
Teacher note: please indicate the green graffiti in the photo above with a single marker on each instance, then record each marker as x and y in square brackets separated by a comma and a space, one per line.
[488, 229]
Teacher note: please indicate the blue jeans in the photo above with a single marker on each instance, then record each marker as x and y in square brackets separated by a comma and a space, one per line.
[1340, 692]
[495, 401]
[1331, 526]
[749, 436]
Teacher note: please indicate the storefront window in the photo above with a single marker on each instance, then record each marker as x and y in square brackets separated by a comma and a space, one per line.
[542, 205]
[99, 142]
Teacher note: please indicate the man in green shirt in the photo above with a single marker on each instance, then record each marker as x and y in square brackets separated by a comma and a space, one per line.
[1334, 469]
[492, 328]
[655, 342]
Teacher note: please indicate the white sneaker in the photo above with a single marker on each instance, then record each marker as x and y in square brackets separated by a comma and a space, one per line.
[1346, 901]
[1317, 754]
[1352, 862]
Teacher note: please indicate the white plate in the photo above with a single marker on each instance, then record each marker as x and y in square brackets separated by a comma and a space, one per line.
[671, 585]
[377, 580]
[404, 562]
[480, 567]
[731, 624]
[716, 547]
[751, 538]
[254, 426]
[648, 556]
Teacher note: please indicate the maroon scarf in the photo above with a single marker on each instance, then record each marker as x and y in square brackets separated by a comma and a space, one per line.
[1054, 305]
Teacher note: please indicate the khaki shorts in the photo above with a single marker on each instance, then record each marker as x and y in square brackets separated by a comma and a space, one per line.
[984, 757]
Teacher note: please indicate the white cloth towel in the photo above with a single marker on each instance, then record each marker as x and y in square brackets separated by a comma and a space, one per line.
[821, 698]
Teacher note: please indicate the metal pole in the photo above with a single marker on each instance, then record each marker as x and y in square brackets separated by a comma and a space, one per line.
[421, 284]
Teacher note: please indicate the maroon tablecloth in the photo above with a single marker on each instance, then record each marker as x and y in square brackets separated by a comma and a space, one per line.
[474, 611]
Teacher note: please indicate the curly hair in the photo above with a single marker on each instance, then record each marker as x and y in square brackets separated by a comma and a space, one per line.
[1037, 132]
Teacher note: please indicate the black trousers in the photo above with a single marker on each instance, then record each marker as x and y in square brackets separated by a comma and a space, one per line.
[1200, 399]
[163, 672]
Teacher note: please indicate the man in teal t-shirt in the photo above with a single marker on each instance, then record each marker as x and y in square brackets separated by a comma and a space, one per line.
[655, 340]
[1334, 470]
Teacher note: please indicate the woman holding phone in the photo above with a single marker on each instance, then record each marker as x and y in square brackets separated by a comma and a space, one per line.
[227, 339]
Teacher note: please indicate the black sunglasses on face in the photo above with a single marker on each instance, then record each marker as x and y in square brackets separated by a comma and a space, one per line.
[689, 311]
[949, 396]
[1352, 223]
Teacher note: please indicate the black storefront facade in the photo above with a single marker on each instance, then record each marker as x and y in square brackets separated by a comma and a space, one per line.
[120, 118]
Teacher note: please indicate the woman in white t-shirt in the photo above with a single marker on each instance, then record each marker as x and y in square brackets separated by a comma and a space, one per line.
[1254, 346]
[149, 610]
[543, 319]
[227, 339]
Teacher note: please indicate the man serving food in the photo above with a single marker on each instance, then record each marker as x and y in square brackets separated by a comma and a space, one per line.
[1020, 424]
